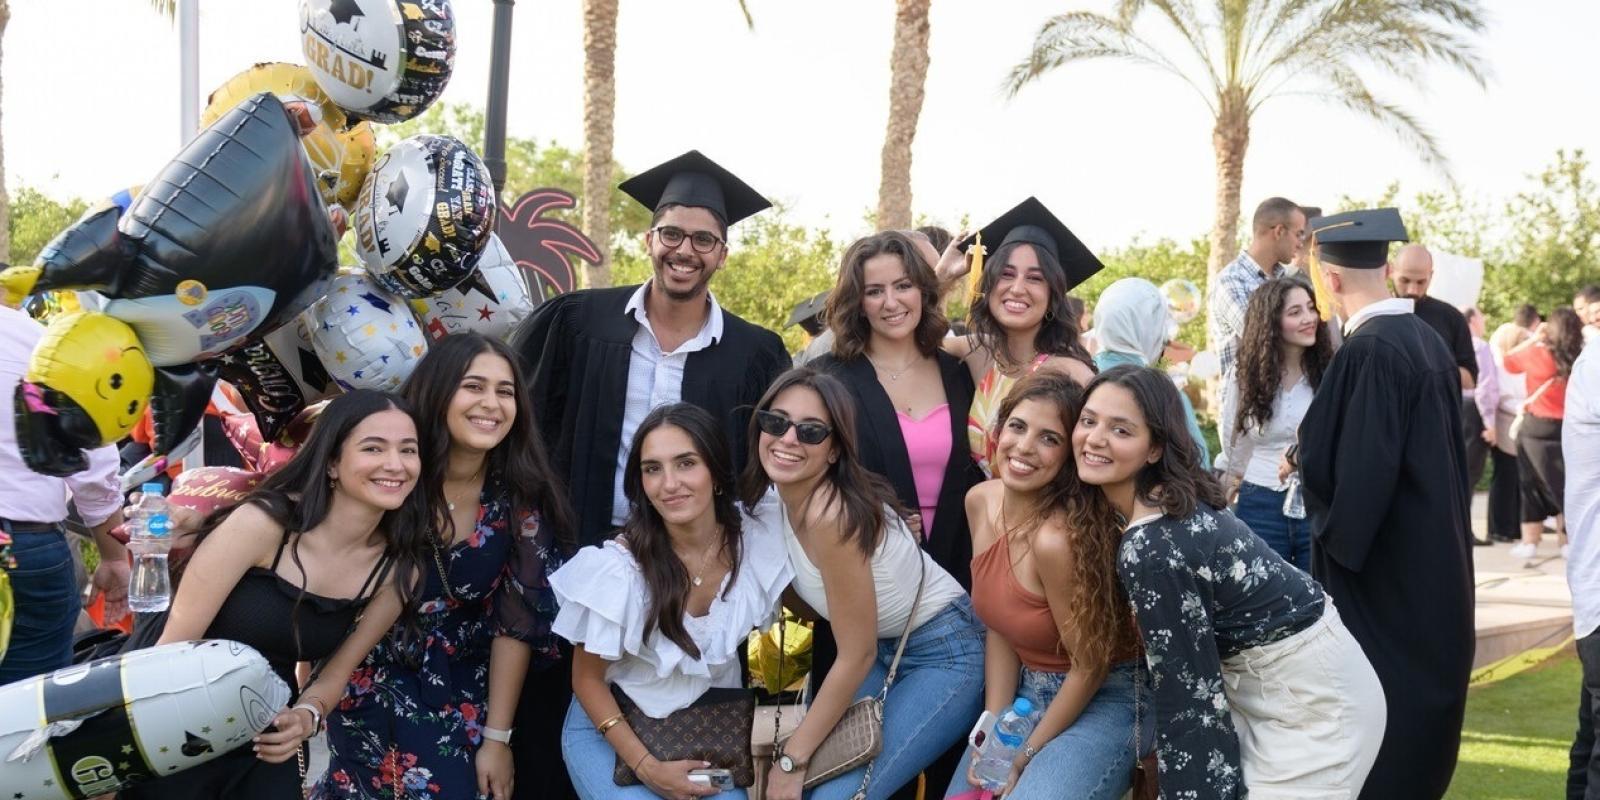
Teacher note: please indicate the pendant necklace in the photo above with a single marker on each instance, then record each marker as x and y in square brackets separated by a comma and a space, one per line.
[894, 375]
[705, 561]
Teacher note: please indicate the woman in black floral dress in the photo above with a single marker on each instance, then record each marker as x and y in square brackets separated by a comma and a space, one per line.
[1257, 685]
[428, 715]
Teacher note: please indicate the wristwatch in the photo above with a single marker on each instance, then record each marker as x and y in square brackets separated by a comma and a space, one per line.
[497, 735]
[789, 765]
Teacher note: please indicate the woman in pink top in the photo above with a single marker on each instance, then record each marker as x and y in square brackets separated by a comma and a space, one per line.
[1544, 360]
[1059, 631]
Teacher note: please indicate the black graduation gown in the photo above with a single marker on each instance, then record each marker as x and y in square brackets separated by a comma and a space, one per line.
[883, 450]
[1385, 477]
[577, 348]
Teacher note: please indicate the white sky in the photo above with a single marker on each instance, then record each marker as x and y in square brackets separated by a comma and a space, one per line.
[797, 107]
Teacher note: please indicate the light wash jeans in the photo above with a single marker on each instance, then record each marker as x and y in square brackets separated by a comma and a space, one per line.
[1093, 758]
[935, 697]
[590, 760]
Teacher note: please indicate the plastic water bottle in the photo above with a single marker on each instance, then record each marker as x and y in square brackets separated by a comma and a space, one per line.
[150, 588]
[1294, 498]
[1002, 747]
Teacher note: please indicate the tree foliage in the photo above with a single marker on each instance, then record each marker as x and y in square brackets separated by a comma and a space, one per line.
[1157, 262]
[36, 218]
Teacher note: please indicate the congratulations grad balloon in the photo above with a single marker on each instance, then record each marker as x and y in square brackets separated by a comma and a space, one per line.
[424, 215]
[365, 336]
[491, 302]
[382, 60]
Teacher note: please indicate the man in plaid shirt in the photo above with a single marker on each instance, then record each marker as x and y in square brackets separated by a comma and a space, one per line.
[1278, 232]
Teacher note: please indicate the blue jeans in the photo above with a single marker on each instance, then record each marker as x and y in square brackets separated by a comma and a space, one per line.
[46, 594]
[590, 760]
[1093, 758]
[1262, 509]
[935, 697]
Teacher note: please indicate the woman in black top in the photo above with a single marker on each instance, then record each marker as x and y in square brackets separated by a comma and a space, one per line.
[344, 513]
[1257, 685]
[885, 316]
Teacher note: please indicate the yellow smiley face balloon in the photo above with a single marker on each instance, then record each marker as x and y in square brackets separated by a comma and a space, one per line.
[91, 376]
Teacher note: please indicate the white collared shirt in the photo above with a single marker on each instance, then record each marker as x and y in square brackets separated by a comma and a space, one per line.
[655, 379]
[1382, 308]
[25, 495]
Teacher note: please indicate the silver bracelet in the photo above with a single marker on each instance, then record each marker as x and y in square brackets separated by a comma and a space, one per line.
[316, 716]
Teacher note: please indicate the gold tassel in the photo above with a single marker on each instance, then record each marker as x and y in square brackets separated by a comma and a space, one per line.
[975, 274]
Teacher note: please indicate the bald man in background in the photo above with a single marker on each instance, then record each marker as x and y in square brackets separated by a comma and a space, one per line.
[1412, 273]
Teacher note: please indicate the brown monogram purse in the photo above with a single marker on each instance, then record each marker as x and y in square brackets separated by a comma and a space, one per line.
[714, 728]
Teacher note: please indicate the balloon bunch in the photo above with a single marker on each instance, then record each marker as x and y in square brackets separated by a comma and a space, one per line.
[225, 265]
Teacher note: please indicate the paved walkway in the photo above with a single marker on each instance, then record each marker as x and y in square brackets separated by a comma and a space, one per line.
[1521, 603]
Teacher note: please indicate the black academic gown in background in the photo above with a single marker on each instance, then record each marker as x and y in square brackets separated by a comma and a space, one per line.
[883, 451]
[577, 348]
[1385, 477]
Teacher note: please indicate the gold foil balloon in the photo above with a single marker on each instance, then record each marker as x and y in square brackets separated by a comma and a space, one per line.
[1183, 299]
[341, 149]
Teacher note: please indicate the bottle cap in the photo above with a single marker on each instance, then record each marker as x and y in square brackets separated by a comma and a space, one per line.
[1022, 707]
[151, 488]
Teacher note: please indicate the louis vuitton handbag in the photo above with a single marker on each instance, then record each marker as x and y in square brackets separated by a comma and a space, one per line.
[714, 728]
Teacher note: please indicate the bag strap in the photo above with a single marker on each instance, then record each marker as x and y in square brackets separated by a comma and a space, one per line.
[1537, 393]
[905, 635]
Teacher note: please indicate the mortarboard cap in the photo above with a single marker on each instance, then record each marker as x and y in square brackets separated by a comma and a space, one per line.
[1358, 239]
[808, 315]
[1031, 222]
[694, 180]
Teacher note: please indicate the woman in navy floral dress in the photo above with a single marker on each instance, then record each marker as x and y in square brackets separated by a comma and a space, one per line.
[427, 716]
[1258, 687]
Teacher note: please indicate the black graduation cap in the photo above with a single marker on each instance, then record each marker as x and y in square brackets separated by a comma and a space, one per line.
[1031, 222]
[1358, 239]
[694, 180]
[808, 315]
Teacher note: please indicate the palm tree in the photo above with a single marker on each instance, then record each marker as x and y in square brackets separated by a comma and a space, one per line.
[599, 117]
[908, 72]
[1246, 52]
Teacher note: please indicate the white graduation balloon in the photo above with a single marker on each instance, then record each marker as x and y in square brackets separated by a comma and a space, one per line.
[491, 302]
[365, 336]
[1205, 365]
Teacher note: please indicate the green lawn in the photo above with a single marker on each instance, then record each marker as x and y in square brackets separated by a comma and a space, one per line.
[1518, 730]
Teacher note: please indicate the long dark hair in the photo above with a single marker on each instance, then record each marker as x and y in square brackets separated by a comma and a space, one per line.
[857, 493]
[1177, 481]
[1058, 333]
[519, 465]
[1260, 367]
[1098, 609]
[1565, 333]
[297, 497]
[849, 324]
[646, 533]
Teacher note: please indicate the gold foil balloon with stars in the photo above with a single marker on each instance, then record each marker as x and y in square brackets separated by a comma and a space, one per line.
[341, 149]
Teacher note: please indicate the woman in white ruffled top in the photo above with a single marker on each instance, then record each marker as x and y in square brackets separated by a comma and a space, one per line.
[661, 611]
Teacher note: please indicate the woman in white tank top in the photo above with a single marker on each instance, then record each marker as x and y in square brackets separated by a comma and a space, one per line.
[857, 566]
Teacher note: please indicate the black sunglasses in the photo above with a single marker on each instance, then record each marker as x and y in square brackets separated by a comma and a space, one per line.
[774, 424]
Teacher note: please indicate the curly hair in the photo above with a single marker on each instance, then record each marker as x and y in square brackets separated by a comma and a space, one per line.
[849, 324]
[1260, 366]
[1566, 338]
[1058, 334]
[1176, 482]
[1098, 610]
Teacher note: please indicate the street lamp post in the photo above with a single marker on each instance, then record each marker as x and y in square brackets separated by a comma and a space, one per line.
[494, 128]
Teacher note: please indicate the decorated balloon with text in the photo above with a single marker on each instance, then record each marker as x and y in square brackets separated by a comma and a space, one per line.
[424, 216]
[491, 302]
[382, 60]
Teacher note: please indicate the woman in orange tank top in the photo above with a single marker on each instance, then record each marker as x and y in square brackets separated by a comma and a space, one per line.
[1044, 583]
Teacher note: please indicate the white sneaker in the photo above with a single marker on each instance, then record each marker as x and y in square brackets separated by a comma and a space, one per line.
[1565, 550]
[1523, 550]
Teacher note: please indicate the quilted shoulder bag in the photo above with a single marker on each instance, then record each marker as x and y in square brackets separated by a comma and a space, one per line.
[714, 728]
[857, 737]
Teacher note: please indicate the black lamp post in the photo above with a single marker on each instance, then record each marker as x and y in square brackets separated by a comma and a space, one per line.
[494, 127]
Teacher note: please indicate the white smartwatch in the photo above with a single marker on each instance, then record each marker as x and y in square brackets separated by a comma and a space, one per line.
[497, 735]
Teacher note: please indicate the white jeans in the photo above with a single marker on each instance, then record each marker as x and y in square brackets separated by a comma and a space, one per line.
[1309, 712]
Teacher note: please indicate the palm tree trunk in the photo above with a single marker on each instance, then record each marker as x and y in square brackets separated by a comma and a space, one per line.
[908, 72]
[599, 116]
[5, 197]
[1230, 139]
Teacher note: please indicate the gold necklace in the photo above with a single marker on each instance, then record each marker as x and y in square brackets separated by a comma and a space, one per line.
[705, 558]
[451, 504]
[894, 375]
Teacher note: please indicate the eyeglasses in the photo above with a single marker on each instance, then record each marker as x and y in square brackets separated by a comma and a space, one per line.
[774, 424]
[702, 241]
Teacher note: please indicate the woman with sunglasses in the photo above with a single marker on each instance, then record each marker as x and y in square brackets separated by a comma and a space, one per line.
[660, 613]
[850, 550]
[314, 565]
[1258, 686]
[431, 715]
